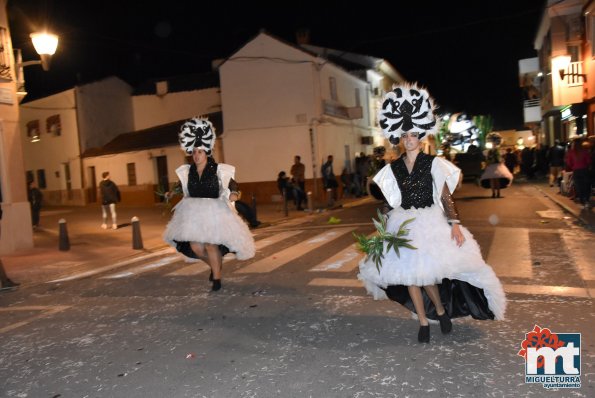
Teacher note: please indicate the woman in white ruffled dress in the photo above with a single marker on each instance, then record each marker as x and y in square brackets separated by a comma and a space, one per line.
[496, 175]
[205, 225]
[445, 276]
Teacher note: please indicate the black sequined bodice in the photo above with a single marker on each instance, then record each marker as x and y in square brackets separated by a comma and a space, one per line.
[416, 188]
[205, 186]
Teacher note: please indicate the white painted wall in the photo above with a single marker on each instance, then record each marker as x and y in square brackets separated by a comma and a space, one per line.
[104, 111]
[145, 165]
[153, 110]
[271, 95]
[51, 152]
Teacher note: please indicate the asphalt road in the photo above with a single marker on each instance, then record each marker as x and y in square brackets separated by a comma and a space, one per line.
[295, 322]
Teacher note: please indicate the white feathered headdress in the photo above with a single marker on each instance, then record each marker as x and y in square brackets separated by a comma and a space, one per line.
[199, 133]
[407, 108]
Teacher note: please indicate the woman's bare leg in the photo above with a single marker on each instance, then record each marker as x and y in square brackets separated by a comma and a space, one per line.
[199, 250]
[445, 323]
[214, 259]
[418, 303]
[432, 291]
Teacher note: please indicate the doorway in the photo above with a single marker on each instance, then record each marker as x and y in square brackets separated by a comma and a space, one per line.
[162, 177]
[92, 190]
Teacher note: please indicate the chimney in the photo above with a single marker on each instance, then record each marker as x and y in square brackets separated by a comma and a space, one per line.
[302, 36]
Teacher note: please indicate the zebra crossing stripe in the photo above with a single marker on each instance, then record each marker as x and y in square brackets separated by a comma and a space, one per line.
[582, 255]
[510, 253]
[113, 266]
[285, 256]
[144, 268]
[564, 291]
[344, 261]
[196, 269]
[336, 282]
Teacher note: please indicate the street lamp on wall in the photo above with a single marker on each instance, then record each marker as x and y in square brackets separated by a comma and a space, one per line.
[45, 44]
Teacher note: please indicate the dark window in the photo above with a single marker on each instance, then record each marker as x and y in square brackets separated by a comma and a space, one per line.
[333, 87]
[53, 125]
[131, 169]
[29, 176]
[33, 130]
[41, 179]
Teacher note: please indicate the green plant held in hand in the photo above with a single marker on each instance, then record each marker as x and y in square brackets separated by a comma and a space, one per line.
[373, 247]
[167, 205]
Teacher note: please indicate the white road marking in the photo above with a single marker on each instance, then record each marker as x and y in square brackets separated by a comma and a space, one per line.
[582, 253]
[113, 266]
[510, 253]
[336, 282]
[285, 256]
[144, 268]
[344, 261]
[45, 312]
[542, 290]
[196, 269]
[547, 290]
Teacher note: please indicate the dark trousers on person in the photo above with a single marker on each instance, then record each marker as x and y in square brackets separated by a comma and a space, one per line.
[247, 213]
[582, 185]
[35, 215]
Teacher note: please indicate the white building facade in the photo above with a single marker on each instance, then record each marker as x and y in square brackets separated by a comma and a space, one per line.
[280, 100]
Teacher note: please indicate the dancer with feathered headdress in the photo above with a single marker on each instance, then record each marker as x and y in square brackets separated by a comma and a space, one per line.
[204, 225]
[423, 258]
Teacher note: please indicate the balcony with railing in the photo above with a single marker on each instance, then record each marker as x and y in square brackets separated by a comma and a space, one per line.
[573, 74]
[532, 110]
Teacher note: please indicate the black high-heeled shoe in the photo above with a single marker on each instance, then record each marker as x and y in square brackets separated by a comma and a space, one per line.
[216, 285]
[211, 277]
[423, 336]
[445, 323]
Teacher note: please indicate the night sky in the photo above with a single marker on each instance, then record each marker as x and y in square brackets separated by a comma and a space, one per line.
[465, 52]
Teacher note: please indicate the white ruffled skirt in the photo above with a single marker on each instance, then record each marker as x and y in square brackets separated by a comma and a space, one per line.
[461, 271]
[208, 220]
[499, 171]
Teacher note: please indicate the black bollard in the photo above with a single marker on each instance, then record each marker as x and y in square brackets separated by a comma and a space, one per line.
[64, 243]
[254, 206]
[329, 196]
[137, 240]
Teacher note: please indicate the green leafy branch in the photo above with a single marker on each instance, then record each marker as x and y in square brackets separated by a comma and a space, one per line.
[167, 205]
[373, 247]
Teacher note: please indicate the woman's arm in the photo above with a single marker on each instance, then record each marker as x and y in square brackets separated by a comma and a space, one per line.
[234, 189]
[452, 215]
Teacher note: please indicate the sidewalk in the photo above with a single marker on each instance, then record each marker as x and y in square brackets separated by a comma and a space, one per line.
[585, 216]
[91, 246]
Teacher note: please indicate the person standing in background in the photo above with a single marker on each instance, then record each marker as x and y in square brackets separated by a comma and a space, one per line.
[298, 171]
[578, 160]
[110, 195]
[510, 160]
[329, 179]
[555, 157]
[35, 198]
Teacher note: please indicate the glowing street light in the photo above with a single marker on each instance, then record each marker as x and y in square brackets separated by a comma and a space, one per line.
[45, 44]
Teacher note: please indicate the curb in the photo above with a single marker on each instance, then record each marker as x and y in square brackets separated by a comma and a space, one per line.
[565, 207]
